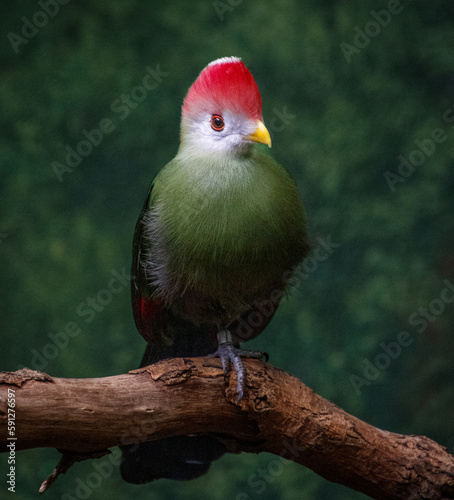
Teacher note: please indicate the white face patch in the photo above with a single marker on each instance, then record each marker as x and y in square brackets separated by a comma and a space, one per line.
[232, 139]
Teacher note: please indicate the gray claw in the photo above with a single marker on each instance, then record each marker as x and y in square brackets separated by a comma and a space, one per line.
[229, 353]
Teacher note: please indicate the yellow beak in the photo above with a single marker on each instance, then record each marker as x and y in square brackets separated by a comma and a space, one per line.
[260, 134]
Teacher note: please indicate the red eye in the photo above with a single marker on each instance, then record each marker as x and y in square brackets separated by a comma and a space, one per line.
[217, 123]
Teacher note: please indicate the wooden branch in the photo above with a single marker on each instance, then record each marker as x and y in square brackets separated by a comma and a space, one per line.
[278, 414]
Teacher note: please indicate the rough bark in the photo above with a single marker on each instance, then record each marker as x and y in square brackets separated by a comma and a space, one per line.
[278, 414]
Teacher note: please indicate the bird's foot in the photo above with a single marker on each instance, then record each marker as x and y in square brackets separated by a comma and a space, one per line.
[229, 353]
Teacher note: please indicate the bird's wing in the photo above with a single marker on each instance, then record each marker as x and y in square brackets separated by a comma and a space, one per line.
[147, 309]
[254, 320]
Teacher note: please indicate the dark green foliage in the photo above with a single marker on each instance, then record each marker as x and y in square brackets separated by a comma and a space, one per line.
[339, 124]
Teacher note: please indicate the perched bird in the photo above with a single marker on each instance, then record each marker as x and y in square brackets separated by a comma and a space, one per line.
[221, 230]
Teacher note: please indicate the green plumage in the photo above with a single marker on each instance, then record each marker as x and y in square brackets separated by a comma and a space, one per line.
[220, 233]
[224, 232]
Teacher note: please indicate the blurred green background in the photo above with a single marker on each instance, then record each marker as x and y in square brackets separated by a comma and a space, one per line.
[359, 99]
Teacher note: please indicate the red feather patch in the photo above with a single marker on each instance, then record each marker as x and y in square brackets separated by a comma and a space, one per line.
[224, 84]
[149, 317]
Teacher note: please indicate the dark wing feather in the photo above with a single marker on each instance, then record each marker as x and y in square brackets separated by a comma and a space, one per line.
[178, 457]
[147, 310]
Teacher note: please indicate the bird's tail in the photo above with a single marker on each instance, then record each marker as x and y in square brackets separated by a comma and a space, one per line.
[178, 457]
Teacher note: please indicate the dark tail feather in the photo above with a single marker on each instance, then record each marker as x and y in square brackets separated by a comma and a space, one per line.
[179, 457]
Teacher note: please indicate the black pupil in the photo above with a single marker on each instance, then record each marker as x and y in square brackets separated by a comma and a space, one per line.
[218, 122]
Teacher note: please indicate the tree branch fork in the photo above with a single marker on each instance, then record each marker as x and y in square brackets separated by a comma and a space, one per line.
[278, 414]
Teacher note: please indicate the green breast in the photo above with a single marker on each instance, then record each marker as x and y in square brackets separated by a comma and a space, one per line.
[238, 223]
